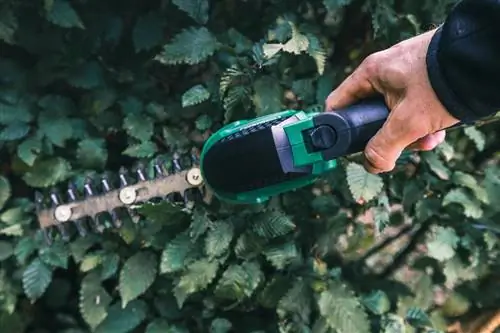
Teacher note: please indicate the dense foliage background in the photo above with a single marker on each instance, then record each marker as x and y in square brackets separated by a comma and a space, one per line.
[87, 86]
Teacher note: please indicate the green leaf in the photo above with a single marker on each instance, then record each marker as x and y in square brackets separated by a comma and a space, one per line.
[61, 13]
[58, 105]
[159, 325]
[239, 281]
[342, 310]
[191, 46]
[280, 256]
[471, 207]
[442, 243]
[138, 126]
[145, 149]
[417, 317]
[29, 150]
[55, 255]
[218, 238]
[92, 153]
[195, 95]
[48, 172]
[6, 250]
[377, 302]
[175, 254]
[363, 185]
[87, 76]
[123, 320]
[148, 31]
[197, 277]
[196, 9]
[8, 25]
[36, 279]
[24, 248]
[14, 131]
[268, 95]
[94, 300]
[5, 191]
[271, 224]
[57, 129]
[391, 323]
[296, 302]
[476, 136]
[137, 275]
[436, 165]
[220, 325]
[204, 122]
[468, 181]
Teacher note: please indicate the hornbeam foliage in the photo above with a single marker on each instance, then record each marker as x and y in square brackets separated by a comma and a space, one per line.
[89, 86]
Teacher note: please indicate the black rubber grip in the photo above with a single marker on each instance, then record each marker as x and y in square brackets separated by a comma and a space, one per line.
[354, 126]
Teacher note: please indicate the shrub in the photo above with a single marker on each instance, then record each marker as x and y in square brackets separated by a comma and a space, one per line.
[90, 86]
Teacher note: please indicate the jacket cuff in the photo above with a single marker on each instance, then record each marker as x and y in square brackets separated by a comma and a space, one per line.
[440, 84]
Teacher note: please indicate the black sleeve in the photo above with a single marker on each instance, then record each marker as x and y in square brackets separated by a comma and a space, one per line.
[463, 60]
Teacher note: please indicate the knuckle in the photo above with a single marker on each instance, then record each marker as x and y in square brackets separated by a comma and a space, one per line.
[371, 64]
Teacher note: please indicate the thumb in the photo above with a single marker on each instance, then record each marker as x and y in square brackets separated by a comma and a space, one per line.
[356, 86]
[400, 130]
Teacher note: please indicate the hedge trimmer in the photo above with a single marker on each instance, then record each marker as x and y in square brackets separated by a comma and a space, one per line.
[246, 161]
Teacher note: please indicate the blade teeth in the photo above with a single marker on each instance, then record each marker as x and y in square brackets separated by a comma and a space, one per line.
[141, 173]
[123, 177]
[159, 172]
[176, 163]
[82, 230]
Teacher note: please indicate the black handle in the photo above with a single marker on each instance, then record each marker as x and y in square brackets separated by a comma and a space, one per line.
[353, 127]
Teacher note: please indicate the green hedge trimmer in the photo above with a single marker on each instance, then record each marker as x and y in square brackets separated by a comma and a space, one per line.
[247, 161]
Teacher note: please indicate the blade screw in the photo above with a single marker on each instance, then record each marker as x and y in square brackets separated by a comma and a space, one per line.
[194, 177]
[127, 195]
[62, 213]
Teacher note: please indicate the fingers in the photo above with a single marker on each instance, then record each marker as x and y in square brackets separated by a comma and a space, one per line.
[399, 131]
[356, 86]
[429, 142]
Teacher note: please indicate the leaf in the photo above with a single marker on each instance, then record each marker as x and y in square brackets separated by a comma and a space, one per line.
[271, 224]
[476, 136]
[280, 256]
[220, 325]
[417, 318]
[48, 172]
[6, 250]
[204, 122]
[195, 95]
[8, 26]
[471, 208]
[268, 95]
[317, 52]
[94, 300]
[123, 320]
[296, 302]
[87, 76]
[36, 279]
[468, 181]
[5, 191]
[29, 150]
[148, 31]
[377, 302]
[391, 323]
[57, 129]
[159, 325]
[14, 131]
[196, 9]
[442, 243]
[145, 149]
[342, 310]
[55, 255]
[436, 165]
[174, 254]
[218, 239]
[191, 46]
[239, 281]
[92, 153]
[363, 185]
[138, 126]
[197, 277]
[137, 275]
[61, 13]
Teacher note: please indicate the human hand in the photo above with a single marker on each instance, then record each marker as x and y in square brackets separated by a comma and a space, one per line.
[416, 119]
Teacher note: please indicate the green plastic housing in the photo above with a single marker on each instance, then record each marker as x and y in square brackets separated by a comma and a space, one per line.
[301, 157]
